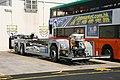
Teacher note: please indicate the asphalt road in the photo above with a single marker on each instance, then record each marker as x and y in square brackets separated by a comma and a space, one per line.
[89, 74]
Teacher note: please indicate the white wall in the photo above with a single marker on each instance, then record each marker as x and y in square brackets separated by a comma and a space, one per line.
[26, 22]
[4, 20]
[59, 1]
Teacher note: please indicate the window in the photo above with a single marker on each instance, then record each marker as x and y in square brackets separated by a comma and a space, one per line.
[109, 31]
[68, 31]
[59, 32]
[5, 2]
[53, 13]
[80, 7]
[60, 13]
[119, 32]
[65, 32]
[31, 5]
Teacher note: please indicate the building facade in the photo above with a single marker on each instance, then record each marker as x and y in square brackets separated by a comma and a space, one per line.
[24, 17]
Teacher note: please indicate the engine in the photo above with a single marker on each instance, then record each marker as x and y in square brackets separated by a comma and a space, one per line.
[73, 47]
[77, 45]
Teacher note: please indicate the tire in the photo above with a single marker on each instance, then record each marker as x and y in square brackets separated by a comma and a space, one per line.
[10, 43]
[16, 49]
[54, 54]
[22, 51]
[108, 51]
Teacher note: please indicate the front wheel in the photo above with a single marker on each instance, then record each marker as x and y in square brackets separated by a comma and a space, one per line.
[54, 54]
[16, 49]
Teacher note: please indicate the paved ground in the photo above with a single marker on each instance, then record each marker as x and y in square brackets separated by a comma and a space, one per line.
[89, 74]
[12, 64]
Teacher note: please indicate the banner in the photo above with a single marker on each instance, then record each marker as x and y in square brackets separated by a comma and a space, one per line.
[93, 18]
[82, 19]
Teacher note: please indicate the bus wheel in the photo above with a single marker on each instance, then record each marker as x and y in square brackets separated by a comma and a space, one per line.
[53, 54]
[22, 51]
[16, 49]
[107, 51]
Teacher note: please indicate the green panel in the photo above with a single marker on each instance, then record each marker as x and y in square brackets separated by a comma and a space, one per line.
[70, 4]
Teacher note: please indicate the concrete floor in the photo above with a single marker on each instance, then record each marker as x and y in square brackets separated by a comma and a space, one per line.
[11, 64]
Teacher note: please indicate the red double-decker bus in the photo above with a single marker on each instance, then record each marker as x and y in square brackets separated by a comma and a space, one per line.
[99, 20]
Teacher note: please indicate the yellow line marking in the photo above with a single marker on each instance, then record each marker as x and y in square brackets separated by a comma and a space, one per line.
[59, 73]
[50, 76]
[72, 74]
[103, 61]
[4, 77]
[102, 69]
[1, 74]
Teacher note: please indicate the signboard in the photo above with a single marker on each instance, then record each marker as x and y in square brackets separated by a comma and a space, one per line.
[43, 30]
[59, 22]
[83, 19]
[92, 30]
[12, 29]
[92, 18]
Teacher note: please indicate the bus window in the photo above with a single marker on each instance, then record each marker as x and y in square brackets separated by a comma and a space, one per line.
[53, 13]
[81, 29]
[65, 32]
[60, 13]
[108, 32]
[83, 6]
[69, 31]
[119, 32]
[59, 32]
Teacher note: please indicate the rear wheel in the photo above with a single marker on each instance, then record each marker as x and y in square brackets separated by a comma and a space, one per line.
[108, 51]
[10, 43]
[54, 54]
[22, 51]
